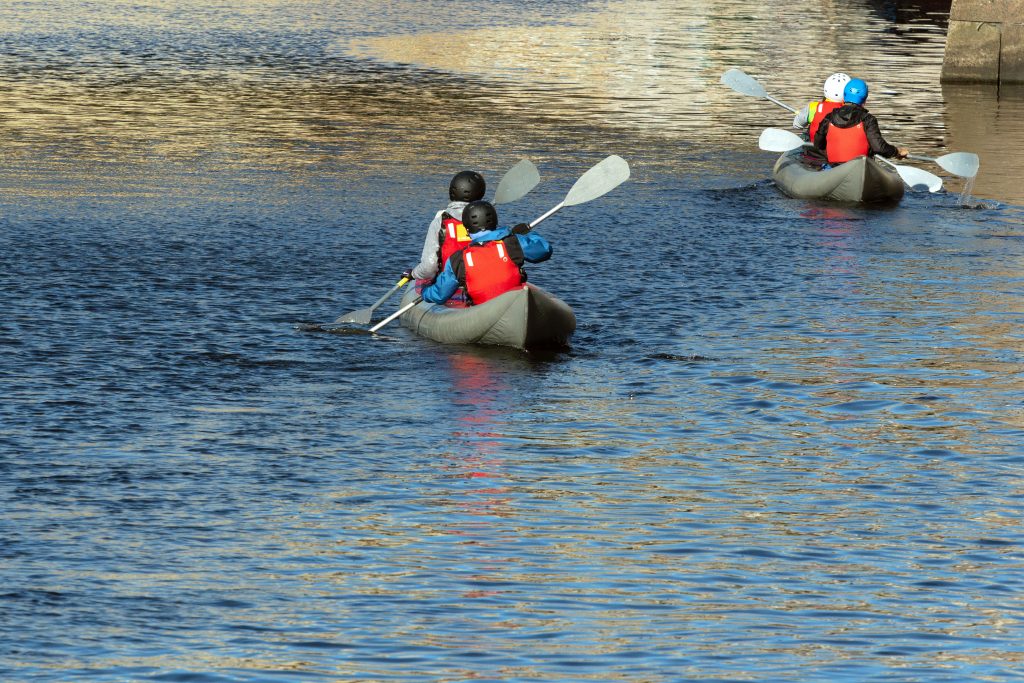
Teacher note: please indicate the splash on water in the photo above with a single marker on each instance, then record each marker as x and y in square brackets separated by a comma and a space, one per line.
[964, 201]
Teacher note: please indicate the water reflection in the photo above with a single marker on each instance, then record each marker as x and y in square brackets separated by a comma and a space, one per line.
[477, 407]
[793, 422]
[986, 119]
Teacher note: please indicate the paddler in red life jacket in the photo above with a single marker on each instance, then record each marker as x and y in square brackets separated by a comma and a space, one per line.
[850, 131]
[446, 234]
[810, 117]
[493, 262]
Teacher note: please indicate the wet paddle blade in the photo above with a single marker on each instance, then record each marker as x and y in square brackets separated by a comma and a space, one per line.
[360, 317]
[742, 83]
[777, 140]
[964, 164]
[918, 179]
[601, 179]
[516, 182]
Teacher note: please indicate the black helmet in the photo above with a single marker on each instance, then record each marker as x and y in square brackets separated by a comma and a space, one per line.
[467, 186]
[479, 216]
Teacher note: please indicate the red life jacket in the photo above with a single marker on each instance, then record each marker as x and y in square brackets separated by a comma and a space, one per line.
[491, 269]
[843, 144]
[454, 238]
[820, 112]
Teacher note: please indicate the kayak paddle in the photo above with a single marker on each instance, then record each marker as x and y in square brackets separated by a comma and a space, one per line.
[777, 140]
[601, 179]
[747, 85]
[515, 184]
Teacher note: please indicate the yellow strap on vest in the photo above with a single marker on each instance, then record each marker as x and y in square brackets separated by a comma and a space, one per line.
[812, 109]
[457, 231]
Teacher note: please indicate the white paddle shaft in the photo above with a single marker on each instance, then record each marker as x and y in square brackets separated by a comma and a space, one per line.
[394, 315]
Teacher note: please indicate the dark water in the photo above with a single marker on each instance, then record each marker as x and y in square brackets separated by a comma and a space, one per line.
[786, 443]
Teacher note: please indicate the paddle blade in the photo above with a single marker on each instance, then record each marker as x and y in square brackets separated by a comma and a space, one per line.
[360, 317]
[964, 164]
[601, 179]
[918, 179]
[777, 140]
[742, 83]
[516, 182]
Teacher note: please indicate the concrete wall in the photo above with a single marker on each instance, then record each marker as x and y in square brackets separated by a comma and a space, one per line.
[985, 42]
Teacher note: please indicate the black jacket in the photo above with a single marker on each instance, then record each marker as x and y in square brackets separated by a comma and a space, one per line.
[850, 115]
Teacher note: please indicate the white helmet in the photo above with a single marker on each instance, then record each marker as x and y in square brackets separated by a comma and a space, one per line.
[834, 86]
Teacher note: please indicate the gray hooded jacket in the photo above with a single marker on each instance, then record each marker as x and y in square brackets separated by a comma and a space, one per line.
[428, 267]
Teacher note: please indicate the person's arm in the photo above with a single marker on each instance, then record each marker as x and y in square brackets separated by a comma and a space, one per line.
[444, 286]
[535, 248]
[821, 137]
[877, 143]
[802, 118]
[428, 266]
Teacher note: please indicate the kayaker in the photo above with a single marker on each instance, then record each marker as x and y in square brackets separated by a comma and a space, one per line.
[810, 116]
[851, 131]
[493, 262]
[446, 234]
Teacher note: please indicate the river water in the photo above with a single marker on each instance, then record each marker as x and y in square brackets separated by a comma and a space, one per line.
[786, 443]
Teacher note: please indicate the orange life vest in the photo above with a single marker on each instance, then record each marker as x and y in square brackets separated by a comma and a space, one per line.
[454, 238]
[491, 270]
[819, 110]
[843, 144]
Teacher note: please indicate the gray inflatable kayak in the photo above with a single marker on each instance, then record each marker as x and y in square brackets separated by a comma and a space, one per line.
[525, 318]
[861, 180]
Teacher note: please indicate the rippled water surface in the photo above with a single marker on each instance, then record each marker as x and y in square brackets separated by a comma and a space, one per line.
[786, 443]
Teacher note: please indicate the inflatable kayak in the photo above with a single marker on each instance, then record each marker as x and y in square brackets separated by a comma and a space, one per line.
[525, 318]
[861, 180]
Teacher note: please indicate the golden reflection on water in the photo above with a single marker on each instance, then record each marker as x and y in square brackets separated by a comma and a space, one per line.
[292, 98]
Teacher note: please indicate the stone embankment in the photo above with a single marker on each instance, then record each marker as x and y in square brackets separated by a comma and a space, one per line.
[985, 42]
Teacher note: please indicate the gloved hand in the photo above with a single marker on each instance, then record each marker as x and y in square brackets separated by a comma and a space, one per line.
[407, 274]
[521, 229]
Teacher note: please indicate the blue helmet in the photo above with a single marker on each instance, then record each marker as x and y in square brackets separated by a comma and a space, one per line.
[855, 92]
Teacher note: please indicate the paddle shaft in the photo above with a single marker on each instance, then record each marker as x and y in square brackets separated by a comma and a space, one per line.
[548, 213]
[781, 104]
[398, 286]
[397, 313]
